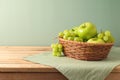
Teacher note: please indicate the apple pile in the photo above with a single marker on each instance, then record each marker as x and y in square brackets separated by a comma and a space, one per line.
[86, 32]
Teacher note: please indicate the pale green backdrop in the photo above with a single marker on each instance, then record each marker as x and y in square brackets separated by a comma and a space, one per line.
[37, 22]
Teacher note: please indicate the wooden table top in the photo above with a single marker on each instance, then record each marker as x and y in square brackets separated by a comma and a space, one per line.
[11, 59]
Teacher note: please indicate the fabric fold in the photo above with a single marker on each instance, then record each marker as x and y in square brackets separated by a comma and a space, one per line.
[78, 69]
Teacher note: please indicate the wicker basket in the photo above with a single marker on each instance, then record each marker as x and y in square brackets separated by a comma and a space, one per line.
[84, 50]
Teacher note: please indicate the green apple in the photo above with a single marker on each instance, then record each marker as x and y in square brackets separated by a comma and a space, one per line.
[86, 30]
[95, 40]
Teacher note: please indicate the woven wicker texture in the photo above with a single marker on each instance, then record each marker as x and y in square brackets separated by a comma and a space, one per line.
[84, 50]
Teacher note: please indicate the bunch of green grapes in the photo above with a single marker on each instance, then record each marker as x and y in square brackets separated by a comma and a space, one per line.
[57, 49]
[70, 35]
[106, 36]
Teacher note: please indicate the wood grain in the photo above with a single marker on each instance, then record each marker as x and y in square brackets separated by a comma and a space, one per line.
[25, 48]
[13, 67]
[31, 76]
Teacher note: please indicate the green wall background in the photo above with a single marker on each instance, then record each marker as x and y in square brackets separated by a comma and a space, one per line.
[37, 22]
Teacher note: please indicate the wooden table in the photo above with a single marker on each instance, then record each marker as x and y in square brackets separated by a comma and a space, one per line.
[13, 67]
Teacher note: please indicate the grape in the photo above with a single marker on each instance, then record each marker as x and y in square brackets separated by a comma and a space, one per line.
[54, 53]
[56, 49]
[58, 54]
[72, 34]
[60, 34]
[60, 49]
[105, 38]
[60, 46]
[65, 37]
[70, 38]
[100, 35]
[66, 32]
[76, 38]
[111, 39]
[107, 33]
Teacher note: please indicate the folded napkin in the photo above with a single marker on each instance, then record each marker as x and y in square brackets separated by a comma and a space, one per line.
[78, 69]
